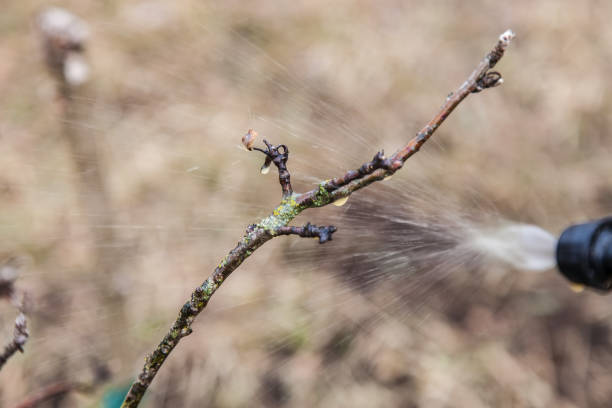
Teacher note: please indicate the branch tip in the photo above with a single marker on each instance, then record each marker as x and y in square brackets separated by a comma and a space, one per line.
[309, 231]
[506, 37]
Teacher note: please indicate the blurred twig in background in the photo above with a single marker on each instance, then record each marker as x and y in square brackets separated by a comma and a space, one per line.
[64, 37]
[20, 337]
[8, 275]
[54, 391]
[58, 390]
[292, 204]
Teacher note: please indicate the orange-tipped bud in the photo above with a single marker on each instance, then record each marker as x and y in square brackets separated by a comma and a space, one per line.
[249, 138]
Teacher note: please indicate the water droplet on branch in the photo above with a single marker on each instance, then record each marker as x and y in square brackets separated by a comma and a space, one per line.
[340, 202]
[265, 169]
[576, 287]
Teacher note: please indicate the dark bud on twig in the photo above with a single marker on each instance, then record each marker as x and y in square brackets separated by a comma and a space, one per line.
[309, 231]
[504, 41]
[489, 80]
[325, 233]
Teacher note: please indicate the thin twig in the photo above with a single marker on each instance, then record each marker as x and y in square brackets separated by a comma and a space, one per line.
[293, 204]
[53, 391]
[279, 156]
[8, 276]
[324, 234]
[20, 337]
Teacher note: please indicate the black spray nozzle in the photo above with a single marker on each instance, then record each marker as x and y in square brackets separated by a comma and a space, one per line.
[584, 254]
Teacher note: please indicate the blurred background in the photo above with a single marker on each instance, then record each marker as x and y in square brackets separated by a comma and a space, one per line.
[117, 203]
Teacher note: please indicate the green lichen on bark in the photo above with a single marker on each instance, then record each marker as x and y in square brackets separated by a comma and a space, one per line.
[282, 215]
[322, 196]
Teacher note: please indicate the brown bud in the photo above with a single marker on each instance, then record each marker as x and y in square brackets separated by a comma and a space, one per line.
[249, 138]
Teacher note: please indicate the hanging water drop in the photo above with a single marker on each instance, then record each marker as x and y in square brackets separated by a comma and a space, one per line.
[265, 168]
[340, 202]
[576, 287]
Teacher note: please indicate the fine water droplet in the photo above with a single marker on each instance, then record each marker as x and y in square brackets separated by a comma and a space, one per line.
[576, 287]
[340, 202]
[265, 169]
[76, 69]
[526, 247]
[388, 177]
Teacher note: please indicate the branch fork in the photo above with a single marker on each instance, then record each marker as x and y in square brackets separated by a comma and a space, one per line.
[279, 156]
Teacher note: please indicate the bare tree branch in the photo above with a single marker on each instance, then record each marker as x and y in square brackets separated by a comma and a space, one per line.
[8, 276]
[20, 337]
[293, 204]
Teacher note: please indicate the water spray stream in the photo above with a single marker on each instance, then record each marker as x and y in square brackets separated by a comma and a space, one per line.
[583, 253]
[526, 247]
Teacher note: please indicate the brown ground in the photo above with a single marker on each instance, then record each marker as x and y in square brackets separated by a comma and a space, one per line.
[175, 86]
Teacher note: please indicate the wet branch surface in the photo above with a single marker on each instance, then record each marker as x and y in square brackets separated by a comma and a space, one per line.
[292, 204]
